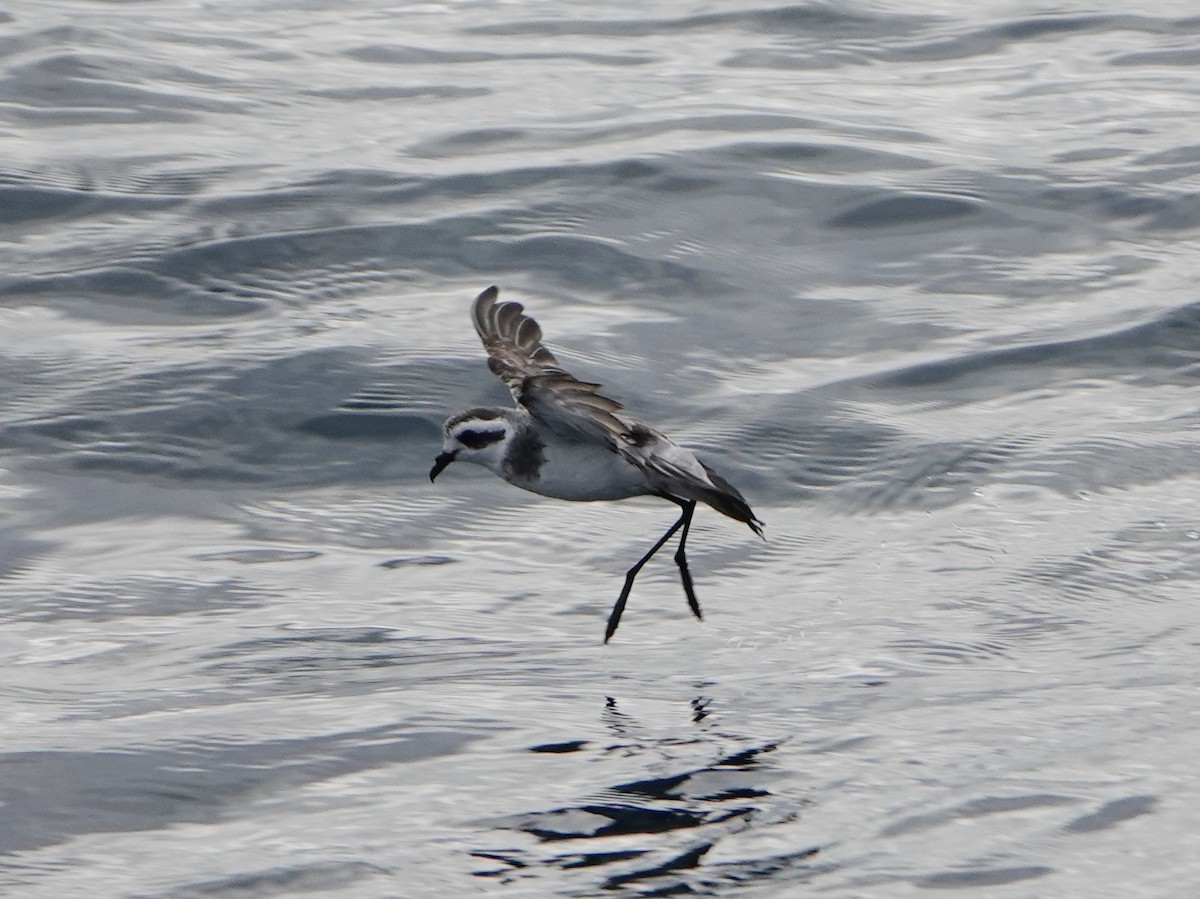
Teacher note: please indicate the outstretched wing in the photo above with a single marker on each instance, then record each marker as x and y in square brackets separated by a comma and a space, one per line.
[566, 405]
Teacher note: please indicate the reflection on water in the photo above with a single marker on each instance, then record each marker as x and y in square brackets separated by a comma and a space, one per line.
[918, 282]
[689, 811]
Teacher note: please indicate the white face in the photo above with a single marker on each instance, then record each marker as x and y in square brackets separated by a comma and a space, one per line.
[479, 440]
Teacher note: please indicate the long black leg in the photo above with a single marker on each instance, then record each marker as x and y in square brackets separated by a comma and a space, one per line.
[615, 617]
[681, 559]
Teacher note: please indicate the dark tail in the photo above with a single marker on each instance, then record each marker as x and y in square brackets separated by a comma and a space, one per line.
[726, 500]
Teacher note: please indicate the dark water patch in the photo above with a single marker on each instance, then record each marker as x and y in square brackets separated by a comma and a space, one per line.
[260, 267]
[660, 870]
[1162, 351]
[134, 596]
[125, 107]
[793, 869]
[27, 382]
[914, 209]
[355, 637]
[19, 204]
[978, 808]
[473, 140]
[560, 748]
[23, 201]
[1091, 154]
[388, 188]
[406, 561]
[1156, 200]
[243, 421]
[974, 878]
[510, 860]
[154, 787]
[259, 555]
[1107, 202]
[1167, 165]
[601, 265]
[804, 20]
[130, 183]
[685, 871]
[19, 551]
[806, 58]
[749, 758]
[392, 93]
[689, 858]
[997, 37]
[246, 271]
[396, 54]
[342, 661]
[595, 820]
[128, 293]
[399, 54]
[1188, 58]
[804, 156]
[1113, 813]
[318, 877]
[592, 859]
[496, 139]
[1182, 213]
[343, 425]
[96, 87]
[387, 396]
[1050, 25]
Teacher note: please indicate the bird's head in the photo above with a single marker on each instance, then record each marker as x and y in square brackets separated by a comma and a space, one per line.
[477, 435]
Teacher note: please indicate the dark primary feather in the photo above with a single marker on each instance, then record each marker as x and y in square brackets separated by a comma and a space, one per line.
[512, 339]
[727, 500]
[569, 407]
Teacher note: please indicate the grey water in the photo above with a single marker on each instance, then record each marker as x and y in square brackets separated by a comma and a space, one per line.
[920, 279]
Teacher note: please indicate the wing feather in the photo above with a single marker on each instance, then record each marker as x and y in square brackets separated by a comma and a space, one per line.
[559, 400]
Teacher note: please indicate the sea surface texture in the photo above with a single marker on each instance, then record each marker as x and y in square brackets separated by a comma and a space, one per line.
[920, 279]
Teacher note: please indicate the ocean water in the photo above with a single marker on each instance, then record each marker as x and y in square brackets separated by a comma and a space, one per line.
[920, 280]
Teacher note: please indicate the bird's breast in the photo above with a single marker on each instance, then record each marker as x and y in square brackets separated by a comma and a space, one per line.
[583, 471]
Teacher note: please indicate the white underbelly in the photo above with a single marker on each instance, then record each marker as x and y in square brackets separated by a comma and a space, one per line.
[582, 471]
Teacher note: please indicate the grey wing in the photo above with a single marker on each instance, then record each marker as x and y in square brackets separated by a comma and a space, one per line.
[513, 341]
[676, 472]
[551, 394]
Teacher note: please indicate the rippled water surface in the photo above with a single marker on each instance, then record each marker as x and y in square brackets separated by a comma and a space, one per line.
[920, 280]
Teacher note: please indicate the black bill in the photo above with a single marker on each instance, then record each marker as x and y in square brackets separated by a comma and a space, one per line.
[440, 463]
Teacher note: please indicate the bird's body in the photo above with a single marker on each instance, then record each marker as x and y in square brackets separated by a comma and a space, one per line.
[565, 440]
[581, 471]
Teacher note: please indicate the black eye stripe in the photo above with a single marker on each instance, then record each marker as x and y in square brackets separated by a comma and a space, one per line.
[479, 439]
